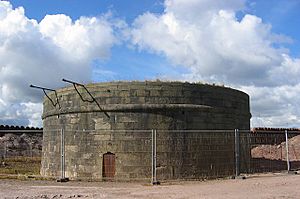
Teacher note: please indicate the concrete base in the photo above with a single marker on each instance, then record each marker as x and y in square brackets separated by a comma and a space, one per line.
[63, 180]
[293, 172]
[239, 177]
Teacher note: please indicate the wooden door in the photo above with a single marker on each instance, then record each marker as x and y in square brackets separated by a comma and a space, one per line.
[109, 167]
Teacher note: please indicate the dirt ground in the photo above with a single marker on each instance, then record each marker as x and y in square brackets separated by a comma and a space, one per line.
[269, 186]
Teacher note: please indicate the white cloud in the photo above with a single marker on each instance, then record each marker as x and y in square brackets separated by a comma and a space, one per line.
[33, 112]
[287, 73]
[82, 40]
[275, 106]
[207, 38]
[221, 46]
[204, 36]
[44, 53]
[200, 11]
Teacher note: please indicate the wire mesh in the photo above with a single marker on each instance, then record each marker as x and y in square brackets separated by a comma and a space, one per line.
[117, 155]
[268, 151]
[20, 153]
[293, 150]
[13, 145]
[194, 154]
[122, 155]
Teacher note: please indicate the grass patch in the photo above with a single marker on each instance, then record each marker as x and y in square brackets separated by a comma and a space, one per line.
[21, 166]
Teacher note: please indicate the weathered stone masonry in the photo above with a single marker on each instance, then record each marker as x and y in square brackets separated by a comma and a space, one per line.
[141, 105]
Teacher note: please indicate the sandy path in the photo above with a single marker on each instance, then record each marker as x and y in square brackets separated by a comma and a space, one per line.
[266, 186]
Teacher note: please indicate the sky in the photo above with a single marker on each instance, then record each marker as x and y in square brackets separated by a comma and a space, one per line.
[250, 45]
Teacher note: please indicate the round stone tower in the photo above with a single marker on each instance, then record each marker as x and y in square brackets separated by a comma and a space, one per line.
[92, 132]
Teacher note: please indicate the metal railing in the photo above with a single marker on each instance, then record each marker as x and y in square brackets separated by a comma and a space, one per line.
[162, 155]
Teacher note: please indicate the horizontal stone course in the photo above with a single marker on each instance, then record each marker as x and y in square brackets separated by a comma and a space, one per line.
[89, 133]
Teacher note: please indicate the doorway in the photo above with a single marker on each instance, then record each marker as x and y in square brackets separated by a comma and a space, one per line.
[109, 166]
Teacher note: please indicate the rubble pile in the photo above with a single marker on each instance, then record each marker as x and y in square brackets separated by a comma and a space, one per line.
[278, 151]
[25, 144]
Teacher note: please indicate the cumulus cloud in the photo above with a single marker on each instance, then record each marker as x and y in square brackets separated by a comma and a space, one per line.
[221, 46]
[204, 36]
[200, 11]
[43, 53]
[207, 38]
[275, 106]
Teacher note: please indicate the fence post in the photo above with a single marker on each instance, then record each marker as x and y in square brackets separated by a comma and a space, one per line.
[30, 148]
[62, 154]
[152, 156]
[237, 152]
[5, 150]
[155, 157]
[154, 181]
[287, 150]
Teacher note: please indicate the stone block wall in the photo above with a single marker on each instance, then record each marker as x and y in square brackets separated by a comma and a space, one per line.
[89, 133]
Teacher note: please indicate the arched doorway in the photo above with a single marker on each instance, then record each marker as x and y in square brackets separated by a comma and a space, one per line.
[108, 166]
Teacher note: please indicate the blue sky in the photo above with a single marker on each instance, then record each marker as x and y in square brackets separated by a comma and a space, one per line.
[129, 63]
[128, 9]
[126, 63]
[284, 17]
[251, 45]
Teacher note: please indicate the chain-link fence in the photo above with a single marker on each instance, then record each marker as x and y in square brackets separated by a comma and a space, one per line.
[159, 155]
[104, 154]
[194, 154]
[273, 151]
[20, 153]
[162, 155]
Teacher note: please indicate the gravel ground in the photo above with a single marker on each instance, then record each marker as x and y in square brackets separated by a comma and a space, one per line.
[269, 186]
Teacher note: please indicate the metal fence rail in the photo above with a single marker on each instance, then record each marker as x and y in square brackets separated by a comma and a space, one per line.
[272, 151]
[105, 154]
[192, 154]
[161, 155]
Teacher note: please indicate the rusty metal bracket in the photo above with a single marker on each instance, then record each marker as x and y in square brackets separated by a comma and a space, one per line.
[81, 97]
[48, 89]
